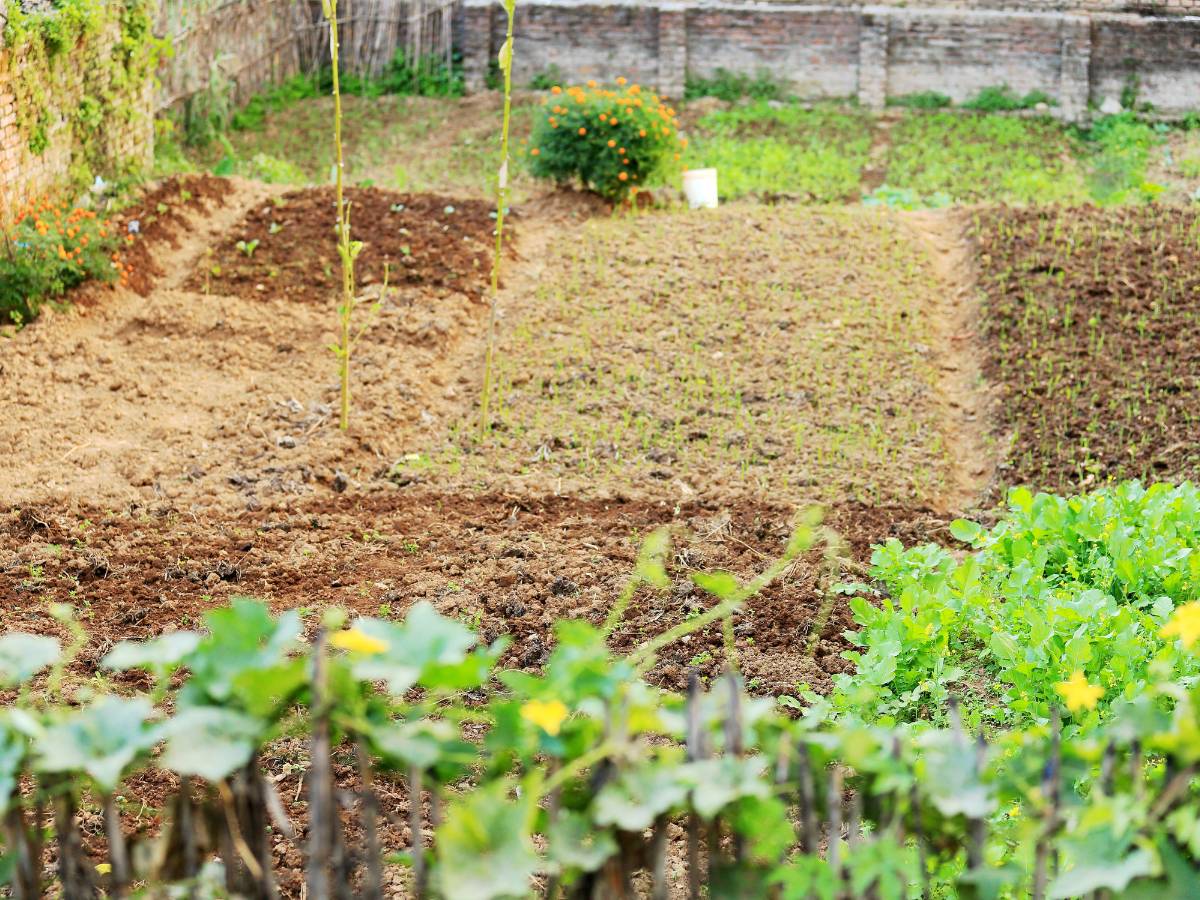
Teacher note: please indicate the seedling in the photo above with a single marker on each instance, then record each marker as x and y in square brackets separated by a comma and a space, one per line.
[247, 247]
[275, 228]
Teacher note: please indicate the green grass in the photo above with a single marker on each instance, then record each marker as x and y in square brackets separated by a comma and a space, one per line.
[985, 158]
[444, 145]
[770, 150]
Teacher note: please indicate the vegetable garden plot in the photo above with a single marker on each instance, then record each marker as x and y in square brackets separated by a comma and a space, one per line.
[1093, 324]
[287, 247]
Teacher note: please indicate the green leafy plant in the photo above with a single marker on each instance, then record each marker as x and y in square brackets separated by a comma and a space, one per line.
[577, 774]
[348, 250]
[1002, 98]
[921, 100]
[613, 140]
[247, 247]
[733, 86]
[50, 249]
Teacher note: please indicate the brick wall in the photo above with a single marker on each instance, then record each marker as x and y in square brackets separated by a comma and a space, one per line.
[870, 52]
[125, 137]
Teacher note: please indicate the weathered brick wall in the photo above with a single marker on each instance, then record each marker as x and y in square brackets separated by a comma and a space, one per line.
[124, 138]
[869, 52]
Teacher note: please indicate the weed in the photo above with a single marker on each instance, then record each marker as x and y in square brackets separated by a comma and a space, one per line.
[921, 100]
[247, 247]
[732, 86]
[1002, 98]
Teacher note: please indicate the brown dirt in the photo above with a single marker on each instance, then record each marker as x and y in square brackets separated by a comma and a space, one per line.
[1092, 328]
[507, 565]
[437, 243]
[967, 407]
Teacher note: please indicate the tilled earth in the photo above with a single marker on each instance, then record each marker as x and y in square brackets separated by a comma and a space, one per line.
[288, 246]
[174, 445]
[1092, 325]
[504, 565]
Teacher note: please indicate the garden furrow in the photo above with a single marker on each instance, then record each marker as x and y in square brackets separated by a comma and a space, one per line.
[965, 404]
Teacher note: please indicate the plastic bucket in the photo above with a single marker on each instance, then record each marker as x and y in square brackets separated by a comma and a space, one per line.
[700, 187]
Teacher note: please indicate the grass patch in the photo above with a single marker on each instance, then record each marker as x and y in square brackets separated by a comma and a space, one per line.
[407, 143]
[770, 150]
[984, 158]
[744, 347]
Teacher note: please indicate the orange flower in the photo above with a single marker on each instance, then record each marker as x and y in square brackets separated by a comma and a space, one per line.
[62, 254]
[642, 133]
[582, 132]
[621, 151]
[612, 143]
[603, 117]
[535, 152]
[613, 122]
[556, 90]
[625, 162]
[622, 80]
[591, 84]
[624, 176]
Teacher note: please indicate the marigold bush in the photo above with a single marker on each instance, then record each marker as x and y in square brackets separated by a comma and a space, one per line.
[50, 249]
[612, 140]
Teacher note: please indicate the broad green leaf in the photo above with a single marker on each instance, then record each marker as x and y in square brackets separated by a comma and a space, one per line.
[101, 741]
[575, 843]
[161, 654]
[417, 743]
[716, 783]
[1098, 860]
[24, 655]
[966, 531]
[638, 796]
[243, 638]
[424, 640]
[209, 741]
[950, 778]
[484, 848]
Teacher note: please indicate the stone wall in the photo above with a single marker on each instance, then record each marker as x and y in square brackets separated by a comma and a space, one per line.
[867, 52]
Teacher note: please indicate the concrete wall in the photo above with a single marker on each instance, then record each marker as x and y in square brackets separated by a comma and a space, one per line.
[868, 52]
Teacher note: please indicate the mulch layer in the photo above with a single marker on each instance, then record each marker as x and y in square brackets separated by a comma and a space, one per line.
[1092, 326]
[424, 240]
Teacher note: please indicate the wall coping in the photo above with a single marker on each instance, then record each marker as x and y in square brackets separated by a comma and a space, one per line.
[976, 14]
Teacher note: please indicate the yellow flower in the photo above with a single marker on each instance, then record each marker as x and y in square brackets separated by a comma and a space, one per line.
[103, 868]
[358, 642]
[547, 715]
[1014, 811]
[1078, 693]
[1184, 624]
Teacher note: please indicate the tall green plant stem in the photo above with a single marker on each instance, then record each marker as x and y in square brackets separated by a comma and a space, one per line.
[502, 196]
[345, 250]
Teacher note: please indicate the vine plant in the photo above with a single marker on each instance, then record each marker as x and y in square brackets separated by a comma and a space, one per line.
[502, 196]
[348, 249]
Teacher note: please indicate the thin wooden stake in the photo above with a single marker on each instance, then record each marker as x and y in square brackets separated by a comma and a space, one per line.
[695, 751]
[320, 780]
[373, 880]
[420, 877]
[810, 839]
[833, 850]
[118, 854]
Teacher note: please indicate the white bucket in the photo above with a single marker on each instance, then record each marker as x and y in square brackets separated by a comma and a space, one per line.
[700, 186]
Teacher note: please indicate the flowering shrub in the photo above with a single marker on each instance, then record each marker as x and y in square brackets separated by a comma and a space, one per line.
[611, 140]
[50, 249]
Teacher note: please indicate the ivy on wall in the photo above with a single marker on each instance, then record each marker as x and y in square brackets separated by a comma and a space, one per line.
[113, 45]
